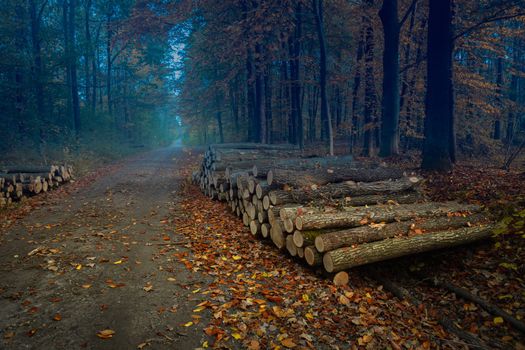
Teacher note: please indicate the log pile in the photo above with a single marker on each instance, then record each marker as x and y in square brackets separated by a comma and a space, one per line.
[18, 182]
[333, 211]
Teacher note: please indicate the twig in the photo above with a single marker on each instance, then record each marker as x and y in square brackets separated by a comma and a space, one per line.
[493, 309]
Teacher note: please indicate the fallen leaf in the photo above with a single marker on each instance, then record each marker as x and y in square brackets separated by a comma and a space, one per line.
[498, 320]
[188, 324]
[106, 334]
[57, 317]
[288, 343]
[254, 345]
[9, 335]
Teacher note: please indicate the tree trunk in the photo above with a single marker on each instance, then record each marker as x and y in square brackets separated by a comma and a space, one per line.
[295, 76]
[218, 115]
[381, 213]
[370, 91]
[88, 52]
[439, 122]
[326, 122]
[320, 177]
[348, 257]
[356, 86]
[390, 103]
[352, 193]
[109, 62]
[36, 20]
[365, 234]
[499, 81]
[75, 103]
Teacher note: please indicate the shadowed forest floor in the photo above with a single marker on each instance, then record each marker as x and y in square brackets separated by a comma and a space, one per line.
[136, 250]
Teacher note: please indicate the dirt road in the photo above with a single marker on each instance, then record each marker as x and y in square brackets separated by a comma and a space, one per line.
[101, 261]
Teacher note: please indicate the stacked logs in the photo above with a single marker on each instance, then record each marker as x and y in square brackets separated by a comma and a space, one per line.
[333, 211]
[19, 182]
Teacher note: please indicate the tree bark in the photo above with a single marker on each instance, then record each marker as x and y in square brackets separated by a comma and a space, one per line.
[326, 122]
[348, 257]
[366, 234]
[302, 178]
[36, 20]
[370, 91]
[439, 121]
[109, 61]
[352, 193]
[73, 59]
[381, 213]
[295, 76]
[390, 103]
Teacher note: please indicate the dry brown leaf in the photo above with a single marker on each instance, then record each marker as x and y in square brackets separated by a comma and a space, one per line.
[106, 334]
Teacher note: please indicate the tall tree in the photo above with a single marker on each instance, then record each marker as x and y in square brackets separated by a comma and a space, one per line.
[439, 104]
[390, 102]
[326, 120]
[75, 102]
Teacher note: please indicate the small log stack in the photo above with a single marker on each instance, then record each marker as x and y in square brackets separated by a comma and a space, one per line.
[333, 211]
[18, 182]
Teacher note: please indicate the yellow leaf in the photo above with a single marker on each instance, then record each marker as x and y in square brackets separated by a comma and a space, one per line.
[79, 266]
[106, 334]
[306, 297]
[205, 344]
[236, 257]
[188, 324]
[309, 316]
[344, 300]
[86, 286]
[196, 290]
[118, 262]
[237, 336]
[498, 320]
[288, 342]
[199, 309]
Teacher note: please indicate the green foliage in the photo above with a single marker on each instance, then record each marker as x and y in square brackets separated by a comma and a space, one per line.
[513, 224]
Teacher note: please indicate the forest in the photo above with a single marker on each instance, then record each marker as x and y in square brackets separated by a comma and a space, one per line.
[355, 77]
[262, 174]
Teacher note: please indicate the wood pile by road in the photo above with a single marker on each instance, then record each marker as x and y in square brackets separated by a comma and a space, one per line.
[20, 181]
[333, 211]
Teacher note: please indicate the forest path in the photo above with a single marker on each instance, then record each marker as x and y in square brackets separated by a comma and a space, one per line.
[104, 261]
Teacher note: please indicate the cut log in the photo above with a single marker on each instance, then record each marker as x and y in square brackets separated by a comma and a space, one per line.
[353, 193]
[255, 227]
[262, 216]
[348, 257]
[277, 234]
[290, 246]
[300, 252]
[318, 177]
[289, 225]
[306, 238]
[245, 219]
[341, 279]
[265, 230]
[250, 145]
[310, 163]
[312, 256]
[380, 213]
[370, 233]
[13, 169]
